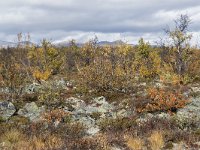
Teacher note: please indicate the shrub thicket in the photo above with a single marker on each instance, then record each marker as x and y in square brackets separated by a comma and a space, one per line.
[104, 68]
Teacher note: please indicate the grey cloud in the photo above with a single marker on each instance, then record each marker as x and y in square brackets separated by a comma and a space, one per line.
[61, 17]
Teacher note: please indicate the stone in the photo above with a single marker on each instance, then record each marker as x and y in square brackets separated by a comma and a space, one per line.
[32, 88]
[198, 143]
[163, 115]
[75, 103]
[190, 114]
[31, 111]
[54, 84]
[91, 109]
[124, 113]
[87, 121]
[58, 84]
[115, 148]
[181, 145]
[142, 84]
[99, 105]
[196, 88]
[61, 83]
[79, 111]
[93, 130]
[100, 100]
[7, 109]
[159, 84]
[5, 90]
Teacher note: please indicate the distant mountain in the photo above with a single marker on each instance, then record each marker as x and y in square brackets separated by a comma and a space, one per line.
[101, 43]
[66, 44]
[24, 43]
[5, 44]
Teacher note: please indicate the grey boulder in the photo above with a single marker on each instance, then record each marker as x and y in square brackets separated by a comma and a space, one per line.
[190, 113]
[31, 111]
[7, 109]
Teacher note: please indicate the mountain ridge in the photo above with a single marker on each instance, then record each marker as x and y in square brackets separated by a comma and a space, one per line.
[6, 44]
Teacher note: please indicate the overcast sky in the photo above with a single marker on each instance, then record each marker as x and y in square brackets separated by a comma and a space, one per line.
[83, 19]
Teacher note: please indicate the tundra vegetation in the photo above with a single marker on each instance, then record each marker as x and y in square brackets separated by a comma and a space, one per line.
[148, 79]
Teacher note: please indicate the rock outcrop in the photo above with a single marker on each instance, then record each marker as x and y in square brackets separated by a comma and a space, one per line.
[7, 109]
[31, 111]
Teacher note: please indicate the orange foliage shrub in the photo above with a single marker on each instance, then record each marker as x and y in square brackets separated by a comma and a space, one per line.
[163, 100]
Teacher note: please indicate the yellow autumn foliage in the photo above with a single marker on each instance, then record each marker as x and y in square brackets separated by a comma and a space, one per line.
[41, 75]
[147, 61]
[45, 60]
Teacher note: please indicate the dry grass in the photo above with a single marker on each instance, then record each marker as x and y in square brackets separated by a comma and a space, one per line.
[12, 136]
[135, 143]
[23, 145]
[39, 143]
[35, 143]
[103, 141]
[15, 140]
[156, 140]
[54, 142]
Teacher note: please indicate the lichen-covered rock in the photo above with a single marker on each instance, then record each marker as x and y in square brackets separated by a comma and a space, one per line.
[34, 87]
[92, 109]
[5, 90]
[31, 111]
[75, 103]
[54, 84]
[100, 100]
[7, 109]
[86, 120]
[100, 105]
[61, 83]
[93, 130]
[124, 113]
[180, 145]
[116, 148]
[89, 123]
[190, 114]
[82, 113]
[195, 88]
